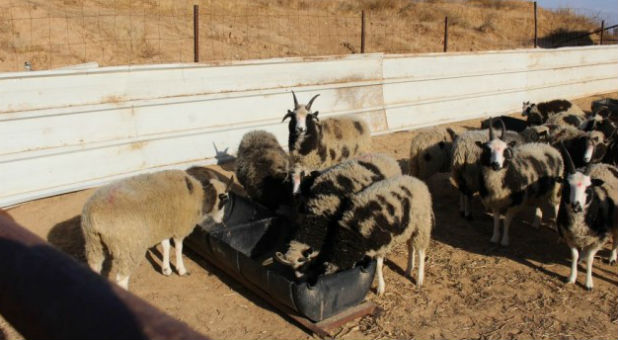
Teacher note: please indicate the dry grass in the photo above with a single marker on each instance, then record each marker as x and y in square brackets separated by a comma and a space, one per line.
[54, 33]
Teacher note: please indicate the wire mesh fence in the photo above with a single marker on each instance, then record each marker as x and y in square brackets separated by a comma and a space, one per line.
[55, 33]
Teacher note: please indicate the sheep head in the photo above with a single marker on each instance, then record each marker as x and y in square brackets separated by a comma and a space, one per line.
[302, 117]
[496, 151]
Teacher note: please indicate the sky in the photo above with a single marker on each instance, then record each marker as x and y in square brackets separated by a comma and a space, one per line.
[607, 9]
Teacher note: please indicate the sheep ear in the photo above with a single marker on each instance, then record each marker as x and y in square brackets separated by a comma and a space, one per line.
[479, 144]
[512, 143]
[315, 115]
[597, 182]
[559, 179]
[281, 259]
[290, 114]
[508, 153]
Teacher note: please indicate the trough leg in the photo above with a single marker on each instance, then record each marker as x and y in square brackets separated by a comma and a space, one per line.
[165, 265]
[496, 235]
[574, 260]
[411, 256]
[180, 264]
[381, 284]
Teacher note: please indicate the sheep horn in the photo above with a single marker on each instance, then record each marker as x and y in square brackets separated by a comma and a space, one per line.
[229, 184]
[502, 128]
[308, 106]
[570, 167]
[491, 128]
[295, 100]
[290, 114]
[281, 259]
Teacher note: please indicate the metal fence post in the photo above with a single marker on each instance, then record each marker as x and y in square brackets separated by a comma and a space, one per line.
[602, 30]
[535, 27]
[196, 33]
[362, 49]
[445, 34]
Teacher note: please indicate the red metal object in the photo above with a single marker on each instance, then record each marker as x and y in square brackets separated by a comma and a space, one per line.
[46, 294]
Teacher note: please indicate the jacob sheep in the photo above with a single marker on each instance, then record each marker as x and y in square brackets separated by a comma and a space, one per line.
[125, 218]
[464, 163]
[316, 144]
[430, 151]
[538, 114]
[588, 213]
[515, 176]
[375, 220]
[511, 123]
[320, 201]
[263, 169]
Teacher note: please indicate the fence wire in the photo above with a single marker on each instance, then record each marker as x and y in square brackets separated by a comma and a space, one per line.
[48, 34]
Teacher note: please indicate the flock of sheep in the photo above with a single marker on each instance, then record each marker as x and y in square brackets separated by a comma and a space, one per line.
[347, 204]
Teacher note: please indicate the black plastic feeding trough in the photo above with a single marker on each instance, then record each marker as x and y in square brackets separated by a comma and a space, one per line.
[244, 246]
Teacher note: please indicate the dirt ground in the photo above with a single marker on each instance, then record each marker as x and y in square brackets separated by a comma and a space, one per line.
[473, 289]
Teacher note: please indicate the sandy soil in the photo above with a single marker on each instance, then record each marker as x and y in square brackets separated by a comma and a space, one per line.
[473, 289]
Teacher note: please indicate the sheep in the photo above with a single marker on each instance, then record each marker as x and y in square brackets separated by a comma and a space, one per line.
[513, 177]
[430, 151]
[566, 119]
[320, 200]
[374, 221]
[539, 113]
[125, 218]
[464, 164]
[588, 213]
[584, 147]
[263, 169]
[511, 123]
[316, 145]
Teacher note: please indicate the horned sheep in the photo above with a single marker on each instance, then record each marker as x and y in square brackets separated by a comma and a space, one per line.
[539, 113]
[430, 151]
[465, 170]
[316, 145]
[375, 220]
[588, 213]
[263, 169]
[321, 198]
[125, 218]
[515, 176]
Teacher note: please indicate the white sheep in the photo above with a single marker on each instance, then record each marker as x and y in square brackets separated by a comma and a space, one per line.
[125, 218]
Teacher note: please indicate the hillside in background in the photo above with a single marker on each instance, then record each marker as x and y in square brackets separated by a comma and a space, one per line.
[55, 33]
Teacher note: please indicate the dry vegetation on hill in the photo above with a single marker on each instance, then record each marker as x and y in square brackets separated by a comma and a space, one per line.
[55, 33]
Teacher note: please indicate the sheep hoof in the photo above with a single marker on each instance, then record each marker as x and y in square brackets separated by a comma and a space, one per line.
[494, 240]
[469, 218]
[185, 273]
[589, 288]
[167, 271]
[504, 244]
[612, 262]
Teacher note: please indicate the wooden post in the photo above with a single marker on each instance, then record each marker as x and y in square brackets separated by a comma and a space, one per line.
[602, 30]
[362, 32]
[535, 27]
[196, 33]
[445, 34]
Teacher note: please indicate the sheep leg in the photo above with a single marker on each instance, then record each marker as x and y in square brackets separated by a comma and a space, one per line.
[496, 235]
[508, 217]
[462, 205]
[180, 265]
[421, 267]
[411, 254]
[467, 199]
[614, 255]
[381, 284]
[123, 281]
[574, 260]
[165, 265]
[589, 260]
[538, 218]
[95, 254]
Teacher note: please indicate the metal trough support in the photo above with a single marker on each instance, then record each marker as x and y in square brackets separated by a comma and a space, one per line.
[47, 294]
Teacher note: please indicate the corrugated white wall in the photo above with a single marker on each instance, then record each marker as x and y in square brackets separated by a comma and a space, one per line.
[66, 130]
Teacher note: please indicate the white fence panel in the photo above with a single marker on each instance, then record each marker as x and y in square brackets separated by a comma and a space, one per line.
[67, 130]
